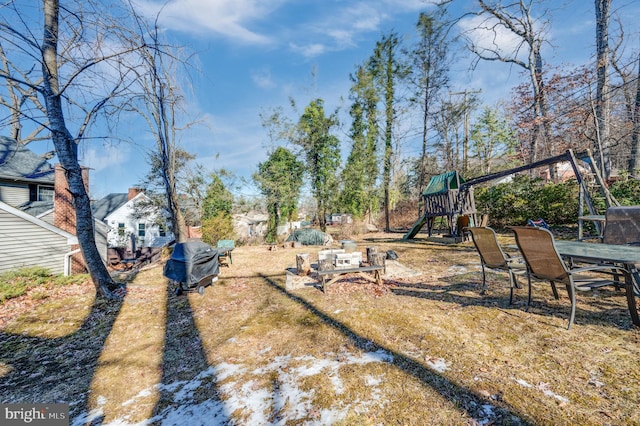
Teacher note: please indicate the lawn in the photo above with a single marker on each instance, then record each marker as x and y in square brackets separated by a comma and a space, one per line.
[425, 348]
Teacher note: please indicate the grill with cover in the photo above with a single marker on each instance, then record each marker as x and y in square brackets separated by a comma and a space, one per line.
[193, 264]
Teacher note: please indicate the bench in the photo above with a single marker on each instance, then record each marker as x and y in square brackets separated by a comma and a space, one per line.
[339, 272]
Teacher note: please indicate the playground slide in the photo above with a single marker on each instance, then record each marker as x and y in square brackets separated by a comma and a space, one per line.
[415, 228]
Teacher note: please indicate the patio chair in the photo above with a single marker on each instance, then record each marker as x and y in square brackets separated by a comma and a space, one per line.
[225, 247]
[493, 257]
[545, 263]
[622, 225]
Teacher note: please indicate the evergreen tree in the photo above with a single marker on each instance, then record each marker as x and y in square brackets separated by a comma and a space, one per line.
[279, 180]
[219, 200]
[360, 172]
[491, 137]
[322, 151]
[387, 70]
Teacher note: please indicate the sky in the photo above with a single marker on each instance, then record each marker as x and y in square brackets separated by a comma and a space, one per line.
[254, 55]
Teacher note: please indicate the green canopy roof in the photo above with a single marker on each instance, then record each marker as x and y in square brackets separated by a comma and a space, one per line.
[442, 183]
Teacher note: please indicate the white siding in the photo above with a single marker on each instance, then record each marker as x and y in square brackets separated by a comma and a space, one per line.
[14, 194]
[27, 244]
[49, 217]
[125, 215]
[101, 239]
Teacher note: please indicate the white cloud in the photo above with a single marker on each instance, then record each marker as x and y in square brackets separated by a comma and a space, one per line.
[103, 157]
[227, 18]
[263, 78]
[309, 50]
[337, 26]
[486, 34]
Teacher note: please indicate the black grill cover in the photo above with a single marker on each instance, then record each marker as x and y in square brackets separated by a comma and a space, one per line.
[192, 261]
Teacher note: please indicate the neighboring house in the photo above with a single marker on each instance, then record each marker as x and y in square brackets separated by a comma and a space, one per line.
[37, 220]
[118, 213]
[25, 177]
[29, 241]
[250, 224]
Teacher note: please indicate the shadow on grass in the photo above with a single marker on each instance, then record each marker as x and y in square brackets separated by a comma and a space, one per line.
[183, 362]
[56, 370]
[611, 304]
[464, 399]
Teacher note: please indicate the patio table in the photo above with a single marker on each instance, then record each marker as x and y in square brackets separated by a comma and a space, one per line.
[623, 256]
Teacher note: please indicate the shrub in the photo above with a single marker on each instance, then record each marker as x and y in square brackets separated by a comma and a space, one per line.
[515, 202]
[217, 227]
[627, 192]
[17, 282]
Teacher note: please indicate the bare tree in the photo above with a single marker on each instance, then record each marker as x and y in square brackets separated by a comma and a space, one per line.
[635, 137]
[21, 97]
[602, 101]
[516, 18]
[158, 103]
[429, 73]
[74, 67]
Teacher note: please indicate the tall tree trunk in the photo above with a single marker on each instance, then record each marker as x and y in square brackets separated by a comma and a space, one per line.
[389, 94]
[67, 151]
[603, 102]
[635, 137]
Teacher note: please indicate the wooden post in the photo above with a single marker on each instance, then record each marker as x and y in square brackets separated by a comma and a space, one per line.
[379, 259]
[303, 264]
[371, 251]
[325, 265]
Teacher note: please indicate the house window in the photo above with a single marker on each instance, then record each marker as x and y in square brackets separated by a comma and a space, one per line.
[121, 229]
[141, 229]
[45, 193]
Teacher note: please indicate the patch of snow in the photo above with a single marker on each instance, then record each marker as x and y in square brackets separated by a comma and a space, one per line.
[283, 402]
[224, 370]
[544, 387]
[372, 381]
[457, 269]
[523, 383]
[488, 414]
[439, 364]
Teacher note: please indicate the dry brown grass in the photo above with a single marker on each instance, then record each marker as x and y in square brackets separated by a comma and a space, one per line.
[446, 355]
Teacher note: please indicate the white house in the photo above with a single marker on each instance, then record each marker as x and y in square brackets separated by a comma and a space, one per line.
[118, 212]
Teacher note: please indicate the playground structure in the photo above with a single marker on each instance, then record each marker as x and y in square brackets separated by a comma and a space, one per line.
[449, 195]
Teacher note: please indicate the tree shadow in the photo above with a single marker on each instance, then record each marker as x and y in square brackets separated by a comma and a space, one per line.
[184, 363]
[56, 370]
[449, 289]
[463, 398]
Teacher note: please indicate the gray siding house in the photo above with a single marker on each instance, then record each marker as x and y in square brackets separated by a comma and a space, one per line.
[30, 230]
[29, 241]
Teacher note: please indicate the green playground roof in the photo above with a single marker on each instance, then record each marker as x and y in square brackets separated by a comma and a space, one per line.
[440, 184]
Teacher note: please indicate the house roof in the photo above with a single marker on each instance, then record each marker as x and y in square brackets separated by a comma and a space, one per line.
[105, 206]
[36, 208]
[19, 163]
[440, 184]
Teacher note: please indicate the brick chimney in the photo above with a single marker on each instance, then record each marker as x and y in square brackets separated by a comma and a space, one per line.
[64, 210]
[133, 192]
[64, 213]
